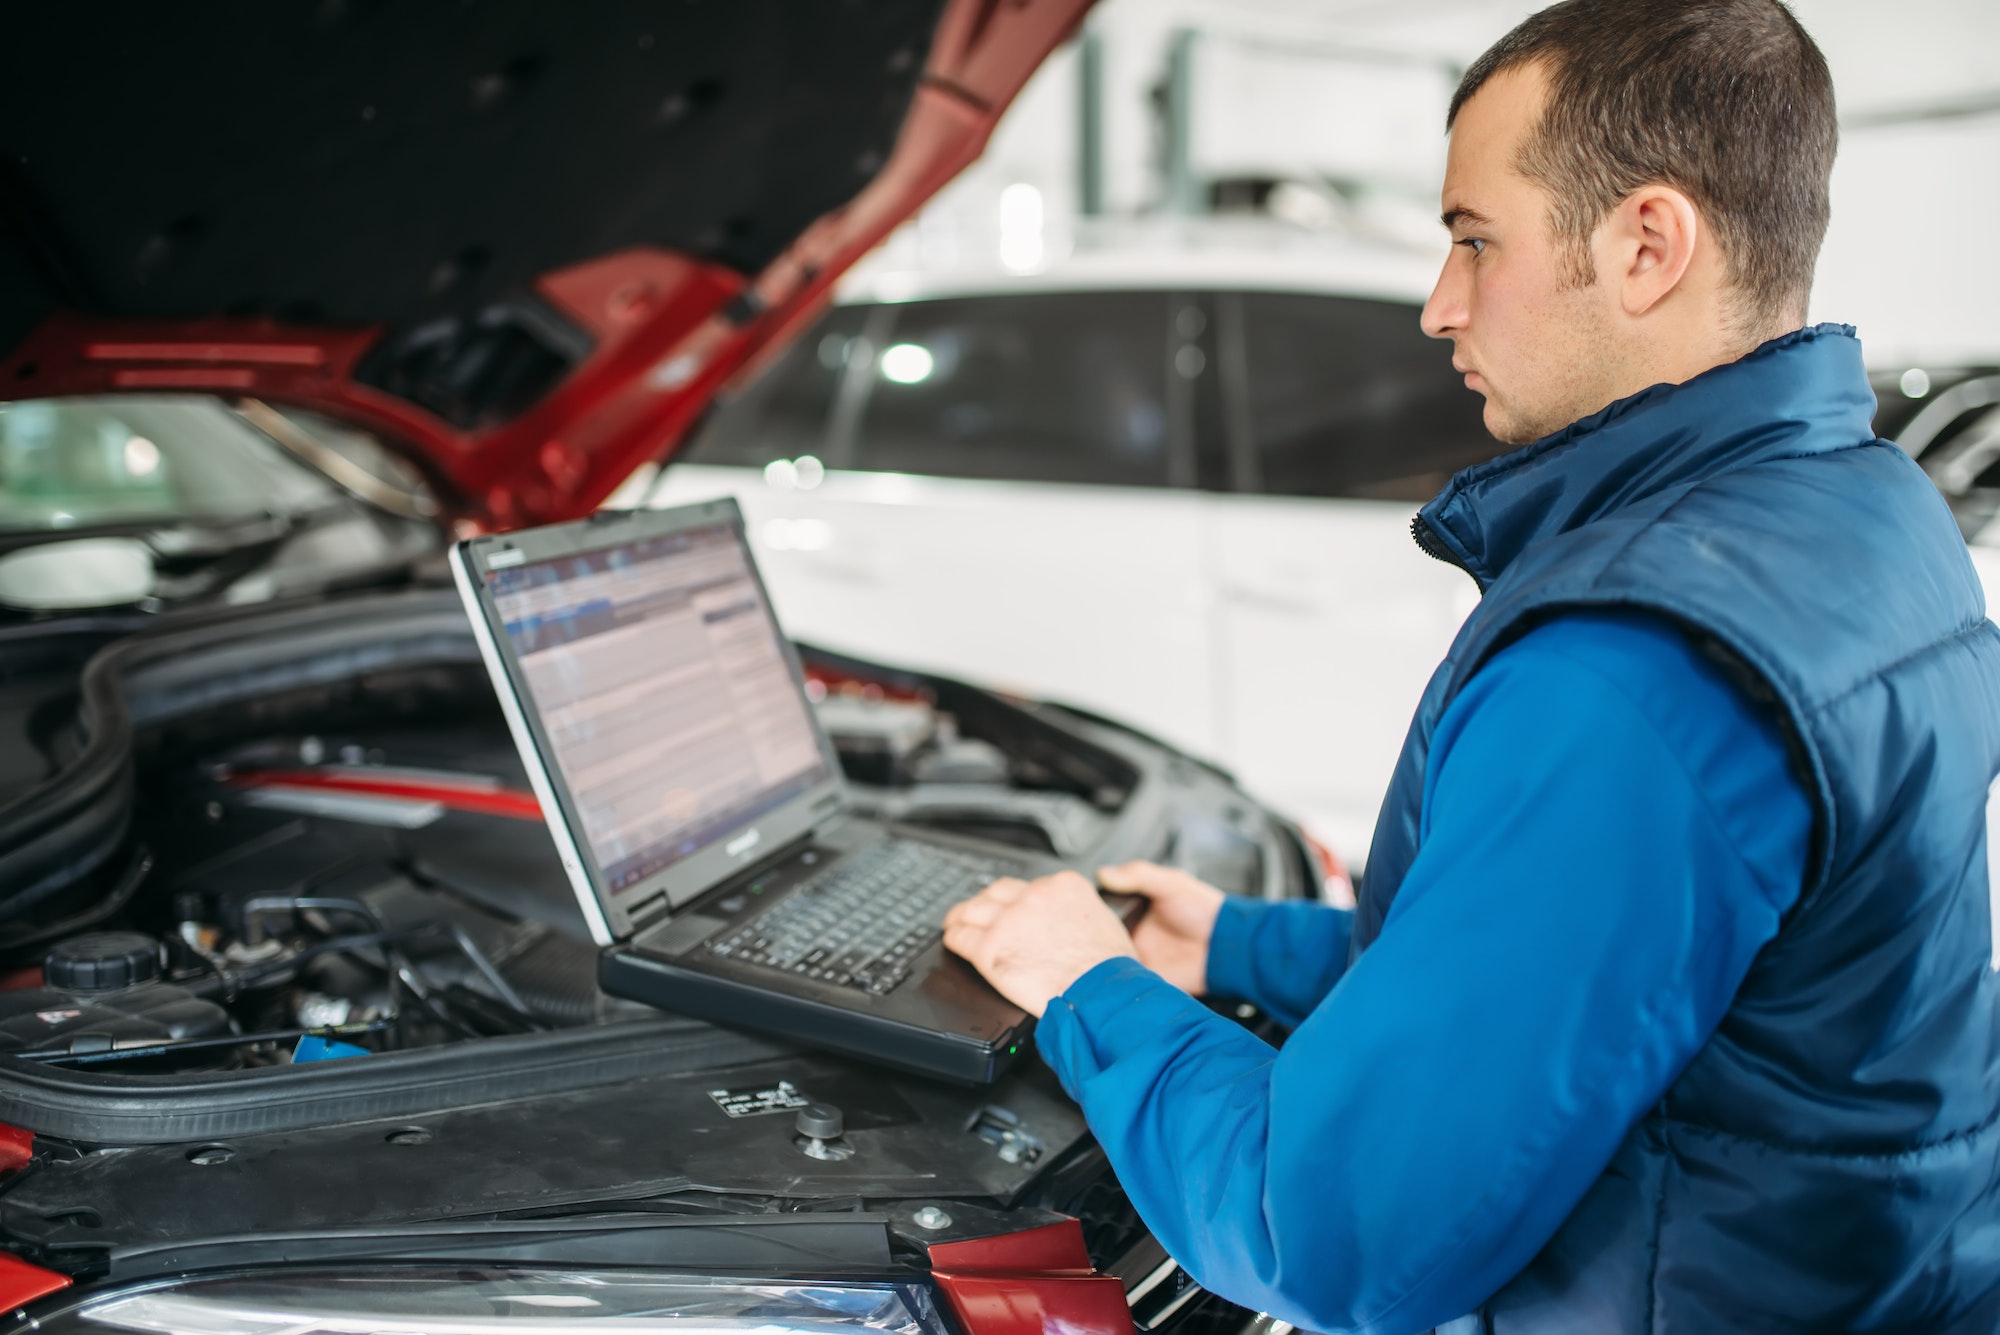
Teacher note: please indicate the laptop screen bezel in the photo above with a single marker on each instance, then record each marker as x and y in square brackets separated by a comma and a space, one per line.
[673, 887]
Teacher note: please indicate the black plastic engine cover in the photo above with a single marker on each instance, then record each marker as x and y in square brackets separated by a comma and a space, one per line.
[47, 1019]
[728, 1130]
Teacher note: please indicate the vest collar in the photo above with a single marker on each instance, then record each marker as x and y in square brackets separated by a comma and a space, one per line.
[1803, 393]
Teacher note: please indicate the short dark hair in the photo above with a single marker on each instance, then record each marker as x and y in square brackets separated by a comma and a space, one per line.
[1728, 101]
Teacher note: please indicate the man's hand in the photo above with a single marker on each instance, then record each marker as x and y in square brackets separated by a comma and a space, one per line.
[1032, 939]
[1172, 939]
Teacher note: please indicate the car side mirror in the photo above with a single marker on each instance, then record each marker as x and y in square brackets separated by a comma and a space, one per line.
[75, 573]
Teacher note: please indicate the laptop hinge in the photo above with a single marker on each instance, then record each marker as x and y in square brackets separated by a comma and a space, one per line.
[644, 915]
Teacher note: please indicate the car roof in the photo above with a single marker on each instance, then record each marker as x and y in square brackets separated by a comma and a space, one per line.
[1172, 254]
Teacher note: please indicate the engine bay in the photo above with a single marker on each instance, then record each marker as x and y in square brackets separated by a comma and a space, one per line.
[289, 967]
[336, 866]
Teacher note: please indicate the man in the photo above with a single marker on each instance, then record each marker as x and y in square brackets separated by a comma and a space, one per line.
[1667, 1005]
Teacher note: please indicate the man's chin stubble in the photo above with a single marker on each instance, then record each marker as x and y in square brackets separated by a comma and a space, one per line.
[1508, 429]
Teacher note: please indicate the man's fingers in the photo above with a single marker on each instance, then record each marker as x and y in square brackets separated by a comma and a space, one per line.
[1140, 878]
[1003, 891]
[977, 912]
[1124, 876]
[963, 940]
[1069, 881]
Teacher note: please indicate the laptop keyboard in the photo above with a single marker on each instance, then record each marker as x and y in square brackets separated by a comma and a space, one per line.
[861, 923]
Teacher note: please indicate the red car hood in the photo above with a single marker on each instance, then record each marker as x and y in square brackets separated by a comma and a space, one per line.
[525, 242]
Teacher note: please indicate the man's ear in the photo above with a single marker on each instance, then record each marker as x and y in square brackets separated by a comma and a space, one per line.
[1645, 246]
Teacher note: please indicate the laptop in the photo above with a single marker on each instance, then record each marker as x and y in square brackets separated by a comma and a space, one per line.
[698, 806]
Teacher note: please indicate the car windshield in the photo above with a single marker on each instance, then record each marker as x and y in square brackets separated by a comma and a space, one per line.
[88, 462]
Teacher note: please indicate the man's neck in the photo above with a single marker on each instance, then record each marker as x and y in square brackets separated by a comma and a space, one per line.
[1678, 360]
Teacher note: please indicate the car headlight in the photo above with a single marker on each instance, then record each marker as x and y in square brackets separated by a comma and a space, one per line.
[460, 1301]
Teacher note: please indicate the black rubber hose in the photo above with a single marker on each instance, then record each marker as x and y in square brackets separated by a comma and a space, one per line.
[60, 831]
[127, 885]
[557, 976]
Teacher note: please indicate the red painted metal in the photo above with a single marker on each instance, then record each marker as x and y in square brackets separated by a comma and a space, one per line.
[270, 354]
[670, 330]
[174, 377]
[1035, 1282]
[484, 797]
[21, 1283]
[1332, 871]
[834, 682]
[17, 1147]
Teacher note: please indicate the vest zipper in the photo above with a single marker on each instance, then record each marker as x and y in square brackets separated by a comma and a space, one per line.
[1431, 545]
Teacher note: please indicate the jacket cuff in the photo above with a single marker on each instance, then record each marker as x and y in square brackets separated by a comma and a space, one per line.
[1119, 1005]
[1231, 961]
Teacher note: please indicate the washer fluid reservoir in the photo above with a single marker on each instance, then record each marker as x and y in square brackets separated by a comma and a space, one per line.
[102, 992]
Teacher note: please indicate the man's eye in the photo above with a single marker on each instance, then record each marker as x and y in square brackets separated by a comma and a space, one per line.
[1477, 245]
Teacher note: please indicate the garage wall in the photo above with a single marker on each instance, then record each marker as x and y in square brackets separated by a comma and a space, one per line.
[1350, 88]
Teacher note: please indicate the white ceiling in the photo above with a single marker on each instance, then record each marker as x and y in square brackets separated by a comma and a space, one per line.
[1882, 55]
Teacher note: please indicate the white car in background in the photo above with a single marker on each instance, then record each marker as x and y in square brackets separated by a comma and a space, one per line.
[1169, 477]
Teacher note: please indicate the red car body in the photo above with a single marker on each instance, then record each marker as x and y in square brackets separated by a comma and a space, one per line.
[668, 329]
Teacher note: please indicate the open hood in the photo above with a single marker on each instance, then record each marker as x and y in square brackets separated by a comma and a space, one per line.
[526, 242]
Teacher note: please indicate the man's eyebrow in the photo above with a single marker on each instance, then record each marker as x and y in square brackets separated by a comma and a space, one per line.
[1453, 217]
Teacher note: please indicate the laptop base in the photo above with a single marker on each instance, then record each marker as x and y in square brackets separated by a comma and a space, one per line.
[623, 971]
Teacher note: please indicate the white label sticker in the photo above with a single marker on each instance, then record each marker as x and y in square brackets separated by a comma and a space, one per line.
[757, 1102]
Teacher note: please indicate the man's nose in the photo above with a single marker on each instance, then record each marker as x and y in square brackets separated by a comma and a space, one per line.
[1445, 314]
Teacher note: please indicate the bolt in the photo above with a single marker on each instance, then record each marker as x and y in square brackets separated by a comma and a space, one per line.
[931, 1219]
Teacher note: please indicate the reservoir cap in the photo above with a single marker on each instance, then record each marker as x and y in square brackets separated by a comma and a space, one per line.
[102, 962]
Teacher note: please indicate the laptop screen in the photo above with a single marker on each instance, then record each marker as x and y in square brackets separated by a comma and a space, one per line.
[664, 691]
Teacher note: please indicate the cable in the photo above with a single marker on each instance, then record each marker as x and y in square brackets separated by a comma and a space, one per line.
[168, 1047]
[394, 966]
[256, 908]
[487, 971]
[229, 983]
[476, 957]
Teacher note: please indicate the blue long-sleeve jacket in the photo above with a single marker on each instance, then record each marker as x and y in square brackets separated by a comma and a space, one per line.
[1610, 833]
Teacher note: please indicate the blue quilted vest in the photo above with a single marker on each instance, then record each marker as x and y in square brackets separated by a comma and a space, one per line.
[1830, 1161]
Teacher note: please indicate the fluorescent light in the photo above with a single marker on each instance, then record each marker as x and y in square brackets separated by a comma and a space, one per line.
[907, 363]
[1021, 248]
[142, 457]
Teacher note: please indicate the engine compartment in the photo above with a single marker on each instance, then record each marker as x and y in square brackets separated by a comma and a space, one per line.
[289, 968]
[331, 851]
